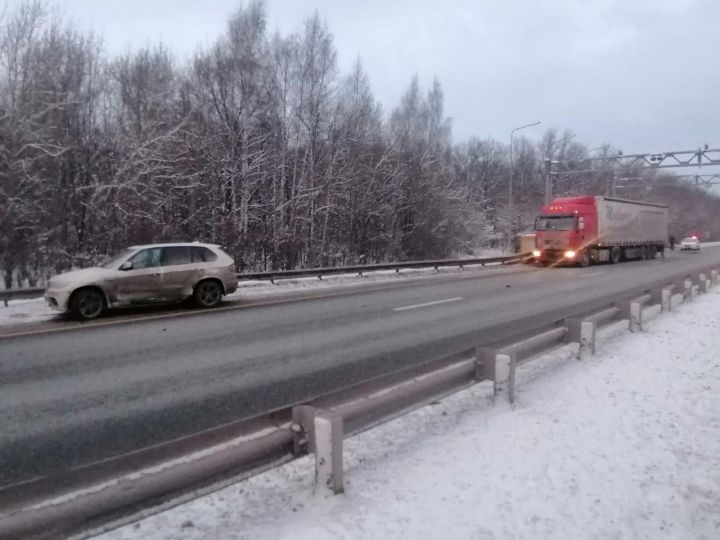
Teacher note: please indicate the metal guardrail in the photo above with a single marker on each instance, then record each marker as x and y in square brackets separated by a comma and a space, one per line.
[397, 266]
[18, 294]
[59, 505]
[34, 292]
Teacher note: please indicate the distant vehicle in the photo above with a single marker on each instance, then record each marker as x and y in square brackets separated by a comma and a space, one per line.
[588, 229]
[692, 243]
[156, 273]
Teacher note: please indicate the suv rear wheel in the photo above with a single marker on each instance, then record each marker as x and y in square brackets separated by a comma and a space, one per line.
[208, 293]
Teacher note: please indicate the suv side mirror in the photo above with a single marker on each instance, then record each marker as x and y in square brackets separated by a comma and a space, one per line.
[127, 265]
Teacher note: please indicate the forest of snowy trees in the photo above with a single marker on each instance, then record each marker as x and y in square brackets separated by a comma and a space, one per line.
[259, 144]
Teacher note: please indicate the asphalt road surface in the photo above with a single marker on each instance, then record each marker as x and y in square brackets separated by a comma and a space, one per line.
[72, 396]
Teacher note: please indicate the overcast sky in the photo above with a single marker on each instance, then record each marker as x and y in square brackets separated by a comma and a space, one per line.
[639, 74]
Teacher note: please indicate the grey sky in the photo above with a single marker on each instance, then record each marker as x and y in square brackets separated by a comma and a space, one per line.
[639, 74]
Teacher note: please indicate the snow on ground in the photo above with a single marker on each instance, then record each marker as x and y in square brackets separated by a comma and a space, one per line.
[25, 311]
[625, 444]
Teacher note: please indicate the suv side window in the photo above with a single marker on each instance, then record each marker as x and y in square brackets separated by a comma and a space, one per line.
[147, 258]
[175, 255]
[202, 254]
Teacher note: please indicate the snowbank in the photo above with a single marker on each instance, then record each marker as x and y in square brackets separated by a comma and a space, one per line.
[25, 311]
[623, 445]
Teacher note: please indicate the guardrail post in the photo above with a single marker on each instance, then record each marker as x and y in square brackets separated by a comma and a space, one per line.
[572, 324]
[687, 285]
[505, 375]
[303, 429]
[705, 283]
[328, 452]
[484, 364]
[694, 291]
[666, 298]
[714, 277]
[636, 316]
[320, 432]
[588, 333]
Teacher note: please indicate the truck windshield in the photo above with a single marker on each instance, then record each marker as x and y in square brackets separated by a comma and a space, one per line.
[553, 223]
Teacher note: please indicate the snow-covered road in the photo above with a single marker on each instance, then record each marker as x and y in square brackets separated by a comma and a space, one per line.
[622, 445]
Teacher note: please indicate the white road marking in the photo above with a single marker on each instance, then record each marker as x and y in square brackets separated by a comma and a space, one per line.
[592, 274]
[426, 304]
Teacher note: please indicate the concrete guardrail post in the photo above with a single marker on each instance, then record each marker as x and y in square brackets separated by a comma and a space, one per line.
[320, 432]
[702, 279]
[714, 277]
[505, 375]
[666, 298]
[303, 428]
[588, 333]
[328, 452]
[636, 316]
[687, 286]
[635, 312]
[694, 291]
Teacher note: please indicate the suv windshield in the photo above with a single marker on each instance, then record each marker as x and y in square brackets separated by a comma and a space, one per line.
[560, 223]
[117, 259]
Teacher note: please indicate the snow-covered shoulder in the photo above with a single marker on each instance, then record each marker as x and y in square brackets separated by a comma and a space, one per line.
[625, 444]
[25, 311]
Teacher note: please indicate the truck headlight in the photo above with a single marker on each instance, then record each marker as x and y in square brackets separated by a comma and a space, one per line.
[569, 254]
[536, 253]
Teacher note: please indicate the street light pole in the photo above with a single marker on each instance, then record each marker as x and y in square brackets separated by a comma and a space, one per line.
[548, 179]
[511, 202]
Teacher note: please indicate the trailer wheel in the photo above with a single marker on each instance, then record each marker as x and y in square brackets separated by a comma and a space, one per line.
[615, 255]
[584, 258]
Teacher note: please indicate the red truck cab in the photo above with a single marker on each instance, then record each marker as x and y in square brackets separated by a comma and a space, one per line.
[564, 228]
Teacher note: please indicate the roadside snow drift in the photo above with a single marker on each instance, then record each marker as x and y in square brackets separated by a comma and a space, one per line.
[622, 445]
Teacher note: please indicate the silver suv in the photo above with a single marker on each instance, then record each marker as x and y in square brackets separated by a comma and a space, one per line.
[156, 273]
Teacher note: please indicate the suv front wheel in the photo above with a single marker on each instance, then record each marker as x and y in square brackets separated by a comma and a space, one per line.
[87, 304]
